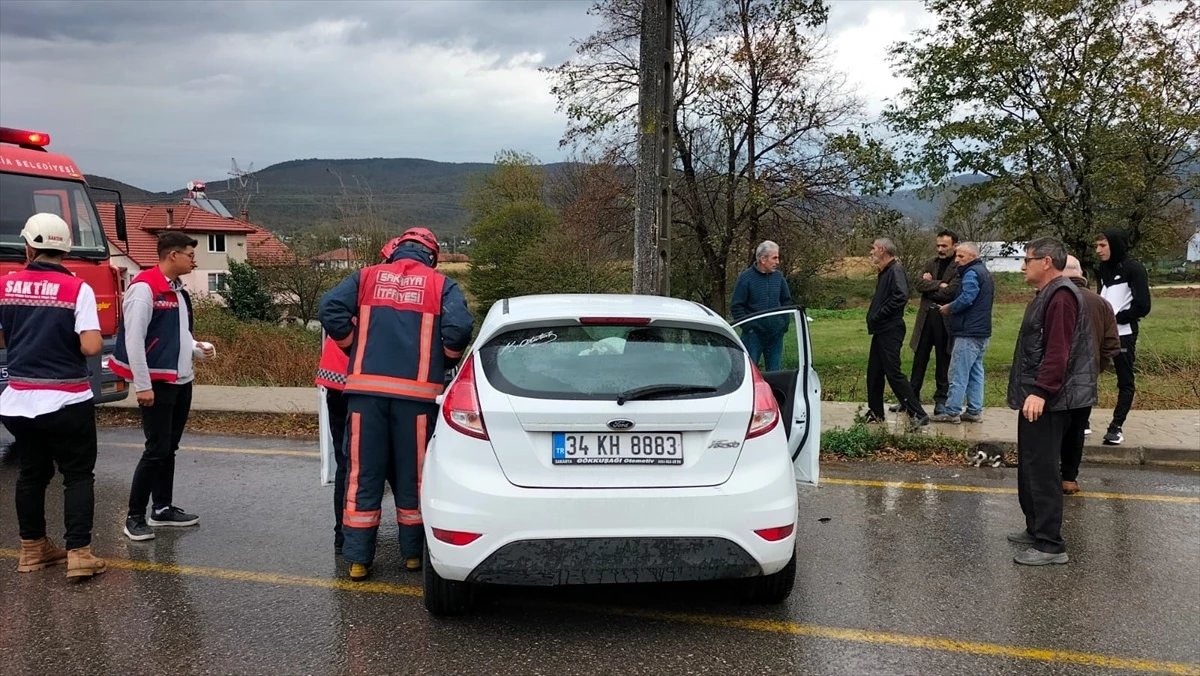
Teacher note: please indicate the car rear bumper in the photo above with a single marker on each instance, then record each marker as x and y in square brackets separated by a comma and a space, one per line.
[566, 561]
[552, 536]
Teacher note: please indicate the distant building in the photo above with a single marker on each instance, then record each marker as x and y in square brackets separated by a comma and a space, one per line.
[1002, 256]
[1193, 248]
[221, 238]
[338, 259]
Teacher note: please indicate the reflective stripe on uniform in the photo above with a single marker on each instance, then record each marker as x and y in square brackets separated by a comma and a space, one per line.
[425, 355]
[422, 434]
[361, 519]
[387, 385]
[355, 461]
[409, 517]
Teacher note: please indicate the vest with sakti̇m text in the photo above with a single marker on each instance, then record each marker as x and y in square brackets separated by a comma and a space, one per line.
[37, 311]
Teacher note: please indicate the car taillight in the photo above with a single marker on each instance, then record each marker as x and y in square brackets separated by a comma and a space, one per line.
[775, 534]
[455, 537]
[460, 407]
[766, 409]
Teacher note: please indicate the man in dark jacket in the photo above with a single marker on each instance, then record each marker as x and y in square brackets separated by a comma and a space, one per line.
[885, 325]
[1104, 330]
[1053, 374]
[762, 287]
[971, 322]
[1123, 283]
[938, 285]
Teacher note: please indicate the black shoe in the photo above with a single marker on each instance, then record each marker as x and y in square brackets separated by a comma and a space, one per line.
[918, 423]
[171, 516]
[896, 408]
[1114, 437]
[137, 530]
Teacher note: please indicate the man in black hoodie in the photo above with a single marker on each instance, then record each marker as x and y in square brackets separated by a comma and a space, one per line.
[1123, 283]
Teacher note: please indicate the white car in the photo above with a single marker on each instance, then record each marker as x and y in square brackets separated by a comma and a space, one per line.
[590, 439]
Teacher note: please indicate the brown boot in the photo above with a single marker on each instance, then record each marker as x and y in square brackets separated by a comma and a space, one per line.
[1070, 488]
[81, 563]
[39, 554]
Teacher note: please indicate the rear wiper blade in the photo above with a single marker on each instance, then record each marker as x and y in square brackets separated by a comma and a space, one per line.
[654, 390]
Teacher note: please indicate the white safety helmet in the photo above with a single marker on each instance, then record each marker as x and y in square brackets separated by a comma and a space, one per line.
[47, 231]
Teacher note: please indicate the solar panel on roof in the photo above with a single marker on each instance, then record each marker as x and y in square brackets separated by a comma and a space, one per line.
[211, 206]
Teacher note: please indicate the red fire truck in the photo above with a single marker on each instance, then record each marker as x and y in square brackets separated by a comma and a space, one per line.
[34, 180]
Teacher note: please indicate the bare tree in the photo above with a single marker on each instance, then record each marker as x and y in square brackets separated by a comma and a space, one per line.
[362, 227]
[296, 277]
[757, 113]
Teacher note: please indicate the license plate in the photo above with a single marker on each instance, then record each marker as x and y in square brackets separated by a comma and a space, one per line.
[622, 448]
[3, 373]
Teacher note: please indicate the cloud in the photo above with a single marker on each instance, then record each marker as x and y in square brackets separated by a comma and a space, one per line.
[158, 93]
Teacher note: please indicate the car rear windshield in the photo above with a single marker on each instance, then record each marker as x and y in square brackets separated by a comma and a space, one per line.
[601, 362]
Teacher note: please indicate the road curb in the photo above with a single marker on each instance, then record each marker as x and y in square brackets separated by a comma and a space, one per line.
[1116, 455]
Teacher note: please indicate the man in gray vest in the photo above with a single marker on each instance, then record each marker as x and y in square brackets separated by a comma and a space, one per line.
[1053, 373]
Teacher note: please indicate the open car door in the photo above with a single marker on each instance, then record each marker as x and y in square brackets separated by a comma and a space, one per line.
[786, 364]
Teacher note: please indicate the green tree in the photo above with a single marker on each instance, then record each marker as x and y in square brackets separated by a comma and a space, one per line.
[505, 260]
[246, 295]
[1083, 115]
[523, 245]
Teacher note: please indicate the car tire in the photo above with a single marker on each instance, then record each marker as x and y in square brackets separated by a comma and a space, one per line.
[445, 598]
[771, 589]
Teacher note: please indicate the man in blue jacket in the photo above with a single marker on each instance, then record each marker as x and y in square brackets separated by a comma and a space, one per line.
[971, 325]
[403, 324]
[762, 287]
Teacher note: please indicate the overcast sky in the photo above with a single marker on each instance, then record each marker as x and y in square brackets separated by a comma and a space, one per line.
[159, 93]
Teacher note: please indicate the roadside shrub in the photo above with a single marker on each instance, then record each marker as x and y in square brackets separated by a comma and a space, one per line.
[254, 354]
[863, 440]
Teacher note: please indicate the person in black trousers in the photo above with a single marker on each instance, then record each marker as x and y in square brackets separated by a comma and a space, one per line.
[154, 351]
[885, 324]
[1124, 284]
[938, 285]
[1051, 383]
[50, 327]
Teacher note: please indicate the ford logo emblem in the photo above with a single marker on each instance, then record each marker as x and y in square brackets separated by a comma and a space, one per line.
[620, 424]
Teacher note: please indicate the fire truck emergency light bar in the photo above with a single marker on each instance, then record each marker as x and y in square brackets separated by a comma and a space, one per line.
[23, 137]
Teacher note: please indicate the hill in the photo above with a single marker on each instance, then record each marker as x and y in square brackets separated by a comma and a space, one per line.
[299, 194]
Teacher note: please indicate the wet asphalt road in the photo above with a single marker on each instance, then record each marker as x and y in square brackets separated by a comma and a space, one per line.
[891, 580]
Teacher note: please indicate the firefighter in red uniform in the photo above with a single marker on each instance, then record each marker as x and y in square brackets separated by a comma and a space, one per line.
[402, 324]
[331, 373]
[49, 324]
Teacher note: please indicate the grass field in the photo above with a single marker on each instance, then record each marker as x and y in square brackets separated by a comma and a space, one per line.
[1168, 355]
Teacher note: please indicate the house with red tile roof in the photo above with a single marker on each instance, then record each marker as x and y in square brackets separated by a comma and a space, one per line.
[342, 258]
[221, 239]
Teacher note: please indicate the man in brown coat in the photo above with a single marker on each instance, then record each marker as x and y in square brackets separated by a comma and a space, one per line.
[1104, 327]
[931, 333]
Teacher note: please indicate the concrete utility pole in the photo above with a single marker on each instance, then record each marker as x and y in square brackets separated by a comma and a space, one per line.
[652, 218]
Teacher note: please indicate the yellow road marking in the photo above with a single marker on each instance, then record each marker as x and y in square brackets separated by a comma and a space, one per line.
[721, 621]
[1185, 499]
[225, 449]
[250, 576]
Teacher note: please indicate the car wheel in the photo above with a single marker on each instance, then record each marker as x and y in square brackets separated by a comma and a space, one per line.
[445, 598]
[774, 588]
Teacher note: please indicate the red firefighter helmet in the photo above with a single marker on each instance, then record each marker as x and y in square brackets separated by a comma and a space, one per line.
[421, 236]
[388, 249]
